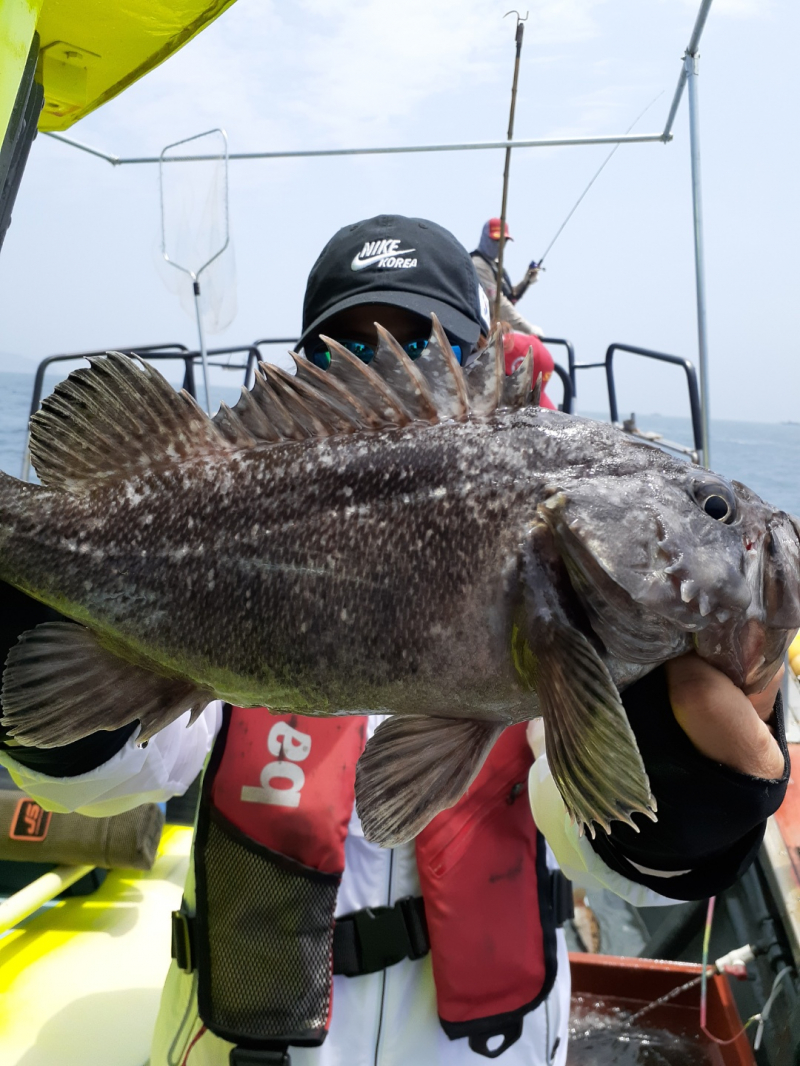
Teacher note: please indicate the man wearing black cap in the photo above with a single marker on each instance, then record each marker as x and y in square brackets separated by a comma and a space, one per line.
[399, 270]
[429, 968]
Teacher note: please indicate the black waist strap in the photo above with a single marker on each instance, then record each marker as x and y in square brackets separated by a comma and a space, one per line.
[375, 937]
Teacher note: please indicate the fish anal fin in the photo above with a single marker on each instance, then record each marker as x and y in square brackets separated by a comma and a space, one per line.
[60, 685]
[115, 419]
[415, 767]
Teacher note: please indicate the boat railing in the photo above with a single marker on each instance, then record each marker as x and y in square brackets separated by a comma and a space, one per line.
[629, 424]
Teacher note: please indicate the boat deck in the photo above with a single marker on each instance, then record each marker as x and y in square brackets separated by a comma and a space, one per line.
[80, 980]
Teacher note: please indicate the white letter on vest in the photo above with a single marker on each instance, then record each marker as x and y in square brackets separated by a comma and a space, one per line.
[287, 744]
[295, 745]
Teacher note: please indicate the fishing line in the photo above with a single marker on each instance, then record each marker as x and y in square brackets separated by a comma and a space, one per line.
[594, 179]
[760, 1017]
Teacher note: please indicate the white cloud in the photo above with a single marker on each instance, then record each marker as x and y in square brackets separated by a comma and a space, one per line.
[336, 73]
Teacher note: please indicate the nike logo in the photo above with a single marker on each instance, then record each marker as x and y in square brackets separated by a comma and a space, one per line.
[375, 251]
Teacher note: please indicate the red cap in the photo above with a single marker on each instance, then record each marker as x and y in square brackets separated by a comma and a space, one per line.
[494, 230]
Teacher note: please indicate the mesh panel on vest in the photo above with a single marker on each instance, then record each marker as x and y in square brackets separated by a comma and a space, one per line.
[269, 936]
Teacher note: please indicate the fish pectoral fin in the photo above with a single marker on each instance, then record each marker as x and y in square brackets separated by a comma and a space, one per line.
[415, 767]
[591, 748]
[60, 685]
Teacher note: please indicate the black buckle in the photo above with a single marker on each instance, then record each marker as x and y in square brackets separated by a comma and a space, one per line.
[413, 910]
[183, 940]
[383, 936]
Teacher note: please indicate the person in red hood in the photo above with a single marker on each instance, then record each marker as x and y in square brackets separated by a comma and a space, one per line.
[515, 346]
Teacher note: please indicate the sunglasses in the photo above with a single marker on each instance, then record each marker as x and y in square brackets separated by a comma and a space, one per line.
[321, 356]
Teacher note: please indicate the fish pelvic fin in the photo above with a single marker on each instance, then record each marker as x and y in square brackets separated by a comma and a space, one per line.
[60, 685]
[114, 419]
[591, 748]
[412, 768]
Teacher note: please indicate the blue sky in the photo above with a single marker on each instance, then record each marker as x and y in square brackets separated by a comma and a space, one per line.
[79, 268]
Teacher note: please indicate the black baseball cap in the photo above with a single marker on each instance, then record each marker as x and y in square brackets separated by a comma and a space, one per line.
[407, 262]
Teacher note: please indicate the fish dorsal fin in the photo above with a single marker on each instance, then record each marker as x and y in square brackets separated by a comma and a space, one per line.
[517, 386]
[233, 428]
[114, 419]
[486, 377]
[274, 416]
[365, 385]
[536, 394]
[404, 378]
[443, 376]
[252, 416]
[314, 418]
[325, 386]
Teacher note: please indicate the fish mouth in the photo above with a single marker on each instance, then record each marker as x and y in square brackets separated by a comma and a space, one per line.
[760, 645]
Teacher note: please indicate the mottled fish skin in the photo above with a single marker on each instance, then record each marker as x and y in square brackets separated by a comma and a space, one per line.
[321, 576]
[382, 560]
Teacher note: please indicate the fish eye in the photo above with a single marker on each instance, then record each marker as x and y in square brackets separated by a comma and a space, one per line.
[717, 500]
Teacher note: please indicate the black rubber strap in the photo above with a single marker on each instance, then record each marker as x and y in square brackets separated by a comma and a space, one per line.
[242, 1056]
[561, 898]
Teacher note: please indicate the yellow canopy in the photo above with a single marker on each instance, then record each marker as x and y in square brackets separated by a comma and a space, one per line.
[90, 50]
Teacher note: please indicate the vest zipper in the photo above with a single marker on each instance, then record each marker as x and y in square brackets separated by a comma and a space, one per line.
[383, 972]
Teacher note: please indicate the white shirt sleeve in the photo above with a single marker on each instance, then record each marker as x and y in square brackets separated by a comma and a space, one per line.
[576, 858]
[152, 774]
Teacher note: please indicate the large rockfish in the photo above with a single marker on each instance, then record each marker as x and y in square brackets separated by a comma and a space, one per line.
[395, 537]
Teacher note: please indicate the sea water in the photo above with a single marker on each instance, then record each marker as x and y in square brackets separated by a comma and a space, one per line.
[764, 456]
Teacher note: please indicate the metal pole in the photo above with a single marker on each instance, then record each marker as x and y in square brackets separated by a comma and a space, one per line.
[317, 153]
[691, 67]
[502, 241]
[29, 899]
[203, 354]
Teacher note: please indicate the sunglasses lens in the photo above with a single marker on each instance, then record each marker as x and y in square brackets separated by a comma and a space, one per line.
[364, 352]
[321, 357]
[414, 349]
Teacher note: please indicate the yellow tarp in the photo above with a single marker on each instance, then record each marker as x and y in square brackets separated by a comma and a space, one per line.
[17, 26]
[93, 49]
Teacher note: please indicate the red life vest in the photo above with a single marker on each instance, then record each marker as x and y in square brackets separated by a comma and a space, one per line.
[277, 799]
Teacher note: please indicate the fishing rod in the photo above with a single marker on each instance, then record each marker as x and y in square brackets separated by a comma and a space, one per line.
[538, 266]
[502, 240]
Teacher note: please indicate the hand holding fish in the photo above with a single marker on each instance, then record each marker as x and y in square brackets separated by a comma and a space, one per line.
[721, 721]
